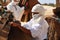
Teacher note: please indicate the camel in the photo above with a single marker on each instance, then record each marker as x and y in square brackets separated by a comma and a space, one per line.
[28, 6]
[54, 22]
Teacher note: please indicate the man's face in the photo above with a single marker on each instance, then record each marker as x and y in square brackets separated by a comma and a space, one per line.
[34, 14]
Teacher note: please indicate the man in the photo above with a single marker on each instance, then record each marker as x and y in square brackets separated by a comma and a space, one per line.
[37, 27]
[17, 11]
[15, 33]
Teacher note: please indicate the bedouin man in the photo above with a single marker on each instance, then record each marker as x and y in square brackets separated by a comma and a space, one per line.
[15, 33]
[37, 27]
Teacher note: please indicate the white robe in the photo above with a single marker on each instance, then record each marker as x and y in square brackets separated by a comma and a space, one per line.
[38, 28]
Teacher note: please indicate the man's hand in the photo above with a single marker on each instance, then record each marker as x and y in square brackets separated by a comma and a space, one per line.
[14, 24]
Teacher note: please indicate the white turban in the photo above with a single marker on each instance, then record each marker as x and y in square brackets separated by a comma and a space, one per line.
[38, 8]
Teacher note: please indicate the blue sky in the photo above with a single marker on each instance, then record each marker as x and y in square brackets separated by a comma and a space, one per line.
[47, 1]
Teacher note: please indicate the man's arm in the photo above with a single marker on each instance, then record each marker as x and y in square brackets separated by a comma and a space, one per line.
[20, 27]
[24, 30]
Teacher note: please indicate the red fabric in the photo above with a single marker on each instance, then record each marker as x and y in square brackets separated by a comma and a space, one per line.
[27, 4]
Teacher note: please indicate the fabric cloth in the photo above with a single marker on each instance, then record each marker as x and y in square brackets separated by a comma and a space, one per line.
[17, 11]
[38, 27]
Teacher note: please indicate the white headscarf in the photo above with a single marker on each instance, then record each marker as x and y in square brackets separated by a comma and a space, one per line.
[38, 8]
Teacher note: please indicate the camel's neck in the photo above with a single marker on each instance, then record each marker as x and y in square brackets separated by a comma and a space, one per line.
[32, 3]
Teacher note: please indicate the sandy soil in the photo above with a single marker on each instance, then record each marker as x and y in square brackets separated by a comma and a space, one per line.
[49, 10]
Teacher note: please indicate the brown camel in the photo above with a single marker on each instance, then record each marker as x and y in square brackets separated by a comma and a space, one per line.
[54, 22]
